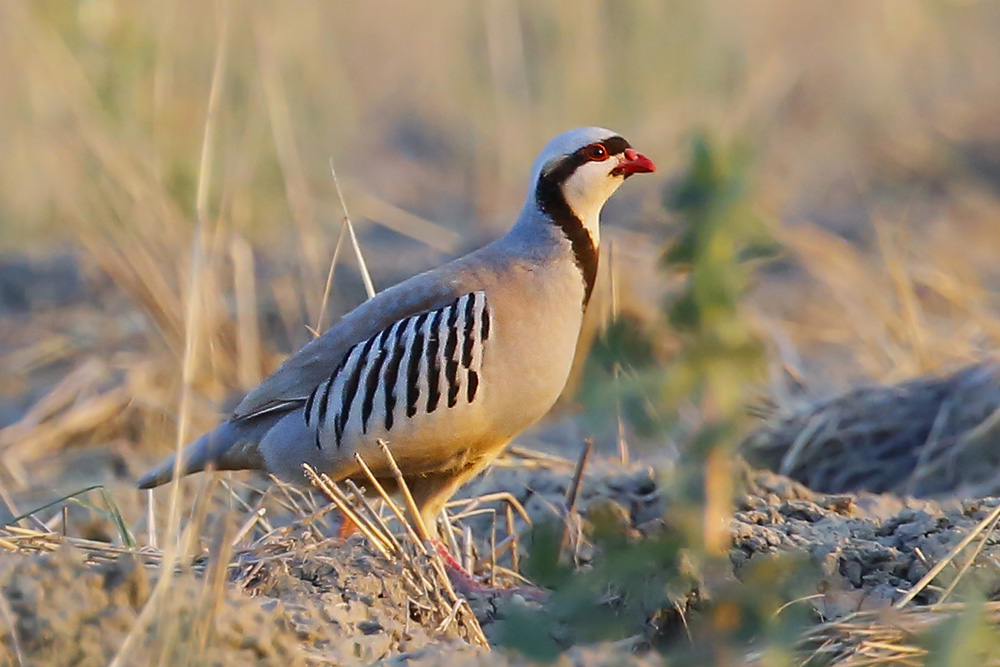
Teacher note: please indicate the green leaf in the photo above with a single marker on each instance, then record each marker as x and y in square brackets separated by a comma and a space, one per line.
[114, 514]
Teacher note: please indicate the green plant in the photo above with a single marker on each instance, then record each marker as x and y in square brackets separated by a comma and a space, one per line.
[642, 585]
[720, 354]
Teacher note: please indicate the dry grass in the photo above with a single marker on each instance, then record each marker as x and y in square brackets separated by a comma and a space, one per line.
[256, 543]
[929, 437]
[171, 149]
[897, 638]
[429, 576]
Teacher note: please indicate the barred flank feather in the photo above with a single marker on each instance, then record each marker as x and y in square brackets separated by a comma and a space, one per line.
[401, 364]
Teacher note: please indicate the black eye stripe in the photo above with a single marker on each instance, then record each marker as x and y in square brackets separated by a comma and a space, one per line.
[565, 167]
[612, 146]
[616, 145]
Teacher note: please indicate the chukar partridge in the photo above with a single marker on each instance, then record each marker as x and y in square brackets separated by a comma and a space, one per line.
[447, 366]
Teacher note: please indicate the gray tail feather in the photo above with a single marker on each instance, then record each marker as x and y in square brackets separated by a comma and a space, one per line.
[230, 446]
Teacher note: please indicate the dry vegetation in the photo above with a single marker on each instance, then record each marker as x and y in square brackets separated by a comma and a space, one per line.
[178, 155]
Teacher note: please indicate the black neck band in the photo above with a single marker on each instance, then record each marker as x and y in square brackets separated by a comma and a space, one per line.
[552, 202]
[550, 199]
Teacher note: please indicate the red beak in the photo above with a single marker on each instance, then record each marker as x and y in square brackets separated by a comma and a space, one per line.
[634, 163]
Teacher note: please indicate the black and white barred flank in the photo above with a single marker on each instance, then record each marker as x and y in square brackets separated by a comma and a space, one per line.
[417, 365]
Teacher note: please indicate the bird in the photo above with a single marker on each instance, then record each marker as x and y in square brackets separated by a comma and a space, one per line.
[448, 366]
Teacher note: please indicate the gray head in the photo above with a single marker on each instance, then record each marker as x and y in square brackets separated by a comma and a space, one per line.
[573, 177]
[580, 170]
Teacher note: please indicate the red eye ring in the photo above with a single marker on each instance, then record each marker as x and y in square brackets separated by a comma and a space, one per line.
[596, 152]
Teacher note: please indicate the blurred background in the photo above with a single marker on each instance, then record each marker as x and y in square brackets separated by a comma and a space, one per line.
[874, 161]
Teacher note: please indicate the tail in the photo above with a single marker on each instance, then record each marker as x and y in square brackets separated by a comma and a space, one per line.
[233, 445]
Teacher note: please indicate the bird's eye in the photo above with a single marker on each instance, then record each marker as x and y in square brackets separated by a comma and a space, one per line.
[596, 152]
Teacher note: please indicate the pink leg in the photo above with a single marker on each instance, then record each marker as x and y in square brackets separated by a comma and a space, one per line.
[466, 584]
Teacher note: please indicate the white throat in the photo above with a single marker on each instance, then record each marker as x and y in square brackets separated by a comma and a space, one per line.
[586, 192]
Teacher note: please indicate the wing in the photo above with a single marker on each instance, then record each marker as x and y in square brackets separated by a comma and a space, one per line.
[409, 384]
[293, 382]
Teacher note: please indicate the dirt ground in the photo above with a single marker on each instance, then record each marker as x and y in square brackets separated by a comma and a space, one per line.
[343, 604]
[309, 598]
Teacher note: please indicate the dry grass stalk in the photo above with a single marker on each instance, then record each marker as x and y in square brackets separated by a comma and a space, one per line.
[359, 496]
[367, 528]
[983, 528]
[404, 489]
[393, 507]
[248, 526]
[26, 541]
[450, 618]
[622, 441]
[81, 381]
[516, 576]
[437, 562]
[193, 335]
[150, 518]
[346, 227]
[294, 500]
[402, 221]
[87, 417]
[468, 550]
[8, 618]
[471, 504]
[879, 638]
[12, 507]
[532, 458]
[328, 286]
[147, 281]
[220, 557]
[574, 488]
[512, 533]
[493, 550]
[433, 581]
[233, 496]
[300, 200]
[968, 561]
[77, 406]
[52, 348]
[573, 492]
[449, 530]
[282, 532]
[358, 255]
[248, 345]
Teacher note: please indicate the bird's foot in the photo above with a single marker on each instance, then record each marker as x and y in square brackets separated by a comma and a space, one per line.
[466, 584]
[462, 580]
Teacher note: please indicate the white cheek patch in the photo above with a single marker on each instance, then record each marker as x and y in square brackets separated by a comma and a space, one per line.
[588, 189]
